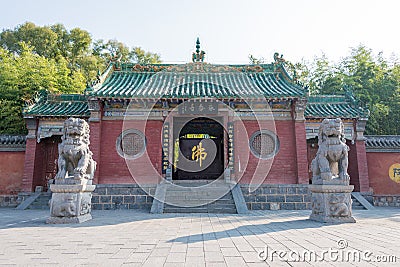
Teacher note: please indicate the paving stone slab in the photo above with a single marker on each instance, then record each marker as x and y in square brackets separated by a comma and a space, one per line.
[137, 238]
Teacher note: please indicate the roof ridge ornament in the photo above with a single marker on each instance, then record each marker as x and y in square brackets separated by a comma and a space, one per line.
[287, 66]
[38, 97]
[198, 56]
[279, 59]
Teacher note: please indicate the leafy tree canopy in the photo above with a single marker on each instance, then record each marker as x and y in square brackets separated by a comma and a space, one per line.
[373, 79]
[33, 58]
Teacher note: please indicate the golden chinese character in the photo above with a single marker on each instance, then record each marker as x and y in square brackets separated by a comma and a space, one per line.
[394, 172]
[199, 153]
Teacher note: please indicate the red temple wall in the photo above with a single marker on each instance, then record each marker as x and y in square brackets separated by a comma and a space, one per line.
[282, 168]
[114, 168]
[378, 169]
[12, 170]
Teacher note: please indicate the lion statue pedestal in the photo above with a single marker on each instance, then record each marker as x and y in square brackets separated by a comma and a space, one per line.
[331, 203]
[72, 191]
[331, 189]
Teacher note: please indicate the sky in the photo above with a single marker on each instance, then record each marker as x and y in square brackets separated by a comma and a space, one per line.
[229, 31]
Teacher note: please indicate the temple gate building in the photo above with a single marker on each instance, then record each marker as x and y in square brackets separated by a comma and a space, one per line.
[251, 126]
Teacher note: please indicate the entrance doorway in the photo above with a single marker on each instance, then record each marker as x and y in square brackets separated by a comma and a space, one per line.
[198, 149]
[47, 165]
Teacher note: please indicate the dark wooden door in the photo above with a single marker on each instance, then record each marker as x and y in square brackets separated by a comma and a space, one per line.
[50, 157]
[312, 148]
[190, 150]
[196, 141]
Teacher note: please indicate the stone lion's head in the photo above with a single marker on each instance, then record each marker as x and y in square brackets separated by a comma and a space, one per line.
[76, 128]
[331, 128]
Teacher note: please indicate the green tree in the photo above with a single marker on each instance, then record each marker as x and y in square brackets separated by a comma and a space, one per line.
[42, 39]
[48, 41]
[372, 80]
[138, 55]
[114, 48]
[21, 76]
[55, 42]
[11, 121]
[110, 49]
[33, 58]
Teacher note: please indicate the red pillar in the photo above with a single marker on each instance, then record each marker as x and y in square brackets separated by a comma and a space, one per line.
[301, 152]
[29, 165]
[361, 155]
[301, 141]
[96, 108]
[95, 141]
[31, 155]
[362, 167]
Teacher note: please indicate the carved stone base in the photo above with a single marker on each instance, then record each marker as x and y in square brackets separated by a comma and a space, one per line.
[331, 203]
[71, 201]
[65, 220]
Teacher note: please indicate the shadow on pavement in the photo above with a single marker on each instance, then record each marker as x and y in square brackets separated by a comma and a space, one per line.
[248, 230]
[11, 218]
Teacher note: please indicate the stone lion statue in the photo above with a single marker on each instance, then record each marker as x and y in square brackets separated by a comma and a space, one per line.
[75, 158]
[331, 162]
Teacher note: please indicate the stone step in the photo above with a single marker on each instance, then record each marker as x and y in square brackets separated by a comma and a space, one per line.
[212, 204]
[221, 194]
[41, 203]
[360, 199]
[197, 199]
[195, 210]
[208, 199]
[356, 205]
[198, 182]
[193, 203]
[201, 209]
[190, 198]
[197, 196]
[198, 189]
[38, 207]
[200, 194]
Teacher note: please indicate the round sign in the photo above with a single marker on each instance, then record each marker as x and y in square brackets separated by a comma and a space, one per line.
[394, 172]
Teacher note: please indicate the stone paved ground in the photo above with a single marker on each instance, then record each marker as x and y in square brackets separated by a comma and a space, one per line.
[136, 238]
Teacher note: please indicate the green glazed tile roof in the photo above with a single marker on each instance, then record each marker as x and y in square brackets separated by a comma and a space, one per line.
[186, 81]
[326, 106]
[59, 105]
[323, 106]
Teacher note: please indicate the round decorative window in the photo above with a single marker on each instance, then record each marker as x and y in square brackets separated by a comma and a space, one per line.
[264, 144]
[131, 144]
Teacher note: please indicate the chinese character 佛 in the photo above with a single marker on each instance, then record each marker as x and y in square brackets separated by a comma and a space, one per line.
[198, 153]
